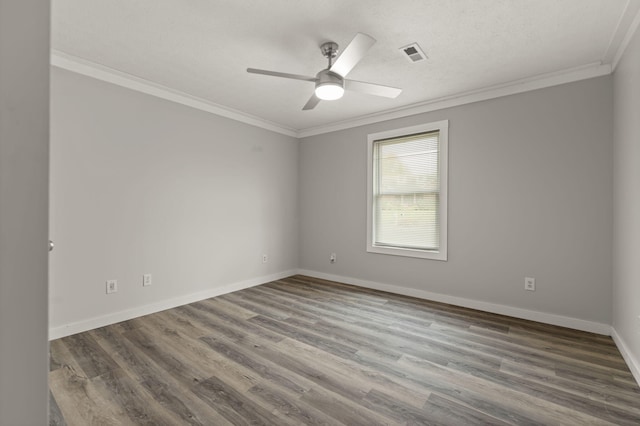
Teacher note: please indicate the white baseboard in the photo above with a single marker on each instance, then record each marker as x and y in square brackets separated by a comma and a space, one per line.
[544, 317]
[564, 321]
[632, 362]
[101, 321]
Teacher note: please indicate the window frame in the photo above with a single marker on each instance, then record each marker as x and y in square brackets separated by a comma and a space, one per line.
[443, 155]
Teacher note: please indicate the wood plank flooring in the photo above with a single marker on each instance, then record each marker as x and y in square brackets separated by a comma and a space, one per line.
[308, 351]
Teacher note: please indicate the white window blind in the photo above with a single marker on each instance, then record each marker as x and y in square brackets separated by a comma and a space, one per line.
[407, 192]
[407, 189]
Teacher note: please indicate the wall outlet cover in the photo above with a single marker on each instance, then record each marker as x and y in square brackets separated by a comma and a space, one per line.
[530, 284]
[112, 286]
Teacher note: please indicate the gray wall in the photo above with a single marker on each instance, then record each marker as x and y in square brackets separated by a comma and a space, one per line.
[626, 237]
[530, 180]
[24, 169]
[143, 185]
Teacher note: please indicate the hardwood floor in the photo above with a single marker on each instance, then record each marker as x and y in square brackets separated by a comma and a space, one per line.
[307, 351]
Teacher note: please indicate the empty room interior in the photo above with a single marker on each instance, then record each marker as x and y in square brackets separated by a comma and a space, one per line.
[320, 212]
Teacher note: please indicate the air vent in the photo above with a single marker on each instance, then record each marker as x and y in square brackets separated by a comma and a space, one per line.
[413, 53]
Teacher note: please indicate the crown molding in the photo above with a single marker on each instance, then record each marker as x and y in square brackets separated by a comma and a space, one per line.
[541, 81]
[100, 72]
[633, 7]
[110, 75]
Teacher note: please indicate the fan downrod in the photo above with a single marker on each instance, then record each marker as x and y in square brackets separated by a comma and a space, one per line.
[329, 50]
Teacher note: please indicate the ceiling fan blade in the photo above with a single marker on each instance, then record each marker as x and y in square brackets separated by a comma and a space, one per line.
[311, 103]
[352, 54]
[372, 89]
[281, 74]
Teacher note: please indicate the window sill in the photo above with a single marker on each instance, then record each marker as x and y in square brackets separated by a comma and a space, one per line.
[397, 251]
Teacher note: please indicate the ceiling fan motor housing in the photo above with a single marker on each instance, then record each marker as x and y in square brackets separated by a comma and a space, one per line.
[330, 86]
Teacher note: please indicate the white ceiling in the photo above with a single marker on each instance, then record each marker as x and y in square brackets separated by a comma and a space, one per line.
[202, 48]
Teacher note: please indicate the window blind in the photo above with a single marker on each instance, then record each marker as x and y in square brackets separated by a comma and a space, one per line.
[407, 192]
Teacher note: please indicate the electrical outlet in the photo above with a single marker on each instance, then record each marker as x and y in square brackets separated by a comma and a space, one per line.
[112, 286]
[146, 280]
[530, 284]
[333, 258]
[265, 258]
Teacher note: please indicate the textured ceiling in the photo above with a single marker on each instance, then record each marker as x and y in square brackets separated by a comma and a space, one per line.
[203, 47]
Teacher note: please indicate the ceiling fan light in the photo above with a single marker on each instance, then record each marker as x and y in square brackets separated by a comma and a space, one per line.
[329, 86]
[329, 91]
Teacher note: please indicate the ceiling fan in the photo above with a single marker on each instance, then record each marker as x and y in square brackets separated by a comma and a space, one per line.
[331, 82]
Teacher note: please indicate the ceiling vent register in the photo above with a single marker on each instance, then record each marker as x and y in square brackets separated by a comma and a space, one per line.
[413, 53]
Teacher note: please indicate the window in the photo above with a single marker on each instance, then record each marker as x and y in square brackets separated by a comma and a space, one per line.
[407, 191]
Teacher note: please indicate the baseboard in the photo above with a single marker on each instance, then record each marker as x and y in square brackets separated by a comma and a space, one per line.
[544, 317]
[101, 321]
[632, 362]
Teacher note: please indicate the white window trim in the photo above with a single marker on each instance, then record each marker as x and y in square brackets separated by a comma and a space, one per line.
[443, 128]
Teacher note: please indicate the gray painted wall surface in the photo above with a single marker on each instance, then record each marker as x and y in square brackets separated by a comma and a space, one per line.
[142, 185]
[530, 179]
[24, 176]
[626, 237]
